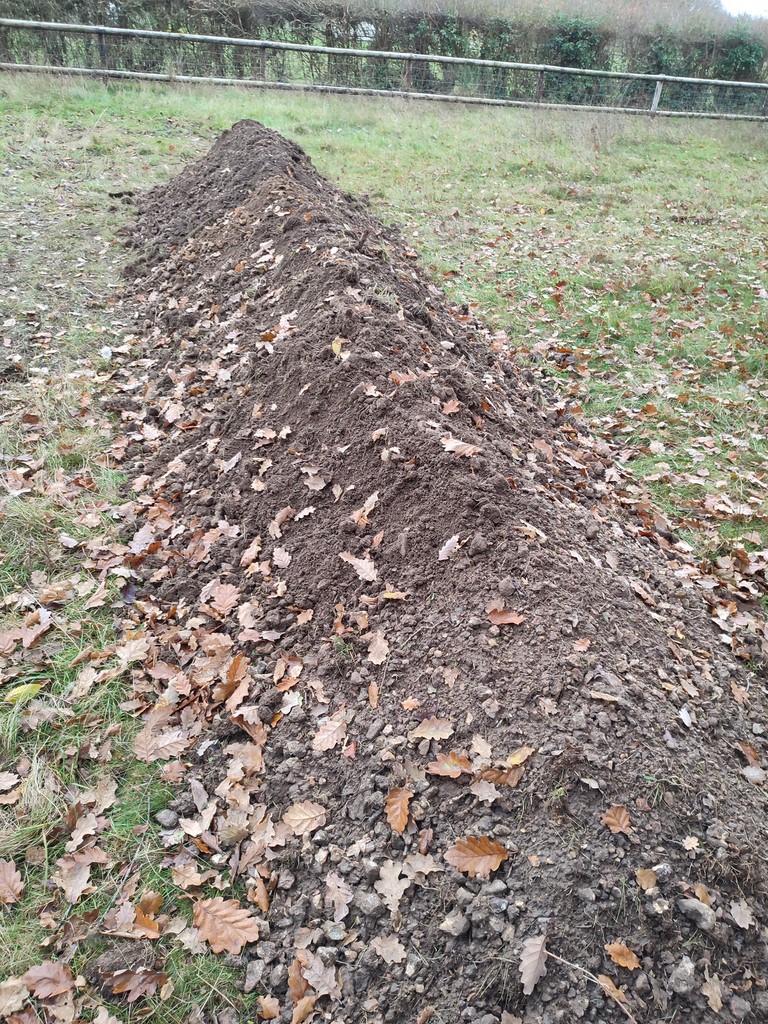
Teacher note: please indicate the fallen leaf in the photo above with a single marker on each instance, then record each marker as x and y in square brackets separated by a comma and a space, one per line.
[582, 644]
[224, 924]
[331, 732]
[135, 984]
[304, 817]
[397, 803]
[533, 962]
[646, 878]
[622, 955]
[338, 895]
[713, 992]
[505, 617]
[151, 746]
[13, 994]
[485, 791]
[302, 1009]
[460, 448]
[611, 990]
[48, 979]
[450, 765]
[11, 883]
[269, 1007]
[361, 516]
[617, 819]
[390, 885]
[390, 949]
[476, 856]
[741, 914]
[432, 729]
[448, 549]
[364, 567]
[520, 756]
[378, 648]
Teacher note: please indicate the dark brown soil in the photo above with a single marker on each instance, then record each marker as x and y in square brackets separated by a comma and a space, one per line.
[297, 362]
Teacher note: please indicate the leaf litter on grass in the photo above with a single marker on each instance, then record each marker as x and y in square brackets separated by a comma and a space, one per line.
[270, 811]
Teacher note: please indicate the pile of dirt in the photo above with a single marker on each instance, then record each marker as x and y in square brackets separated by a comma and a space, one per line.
[390, 603]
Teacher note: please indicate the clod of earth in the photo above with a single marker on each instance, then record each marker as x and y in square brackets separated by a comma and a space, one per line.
[349, 685]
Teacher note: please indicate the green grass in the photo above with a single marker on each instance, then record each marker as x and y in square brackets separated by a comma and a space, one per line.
[623, 257]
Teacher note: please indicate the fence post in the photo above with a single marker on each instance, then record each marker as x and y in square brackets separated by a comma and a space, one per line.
[540, 87]
[657, 96]
[103, 51]
[263, 63]
[765, 105]
[407, 75]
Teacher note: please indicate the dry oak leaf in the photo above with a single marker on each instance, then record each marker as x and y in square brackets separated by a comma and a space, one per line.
[520, 756]
[460, 448]
[303, 1009]
[611, 990]
[160, 746]
[476, 856]
[338, 894]
[646, 878]
[502, 776]
[364, 567]
[617, 819]
[397, 804]
[13, 994]
[331, 732]
[48, 980]
[485, 792]
[432, 729]
[533, 962]
[505, 617]
[224, 924]
[135, 983]
[713, 992]
[450, 765]
[390, 949]
[269, 1007]
[741, 914]
[11, 884]
[223, 598]
[622, 955]
[321, 977]
[390, 885]
[304, 817]
[378, 648]
[448, 549]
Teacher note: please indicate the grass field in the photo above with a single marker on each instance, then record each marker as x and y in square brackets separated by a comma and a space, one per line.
[626, 259]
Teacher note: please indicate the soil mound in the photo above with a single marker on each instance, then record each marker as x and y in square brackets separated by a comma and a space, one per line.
[435, 694]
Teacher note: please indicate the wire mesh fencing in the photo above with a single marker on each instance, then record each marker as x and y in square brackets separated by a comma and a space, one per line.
[127, 53]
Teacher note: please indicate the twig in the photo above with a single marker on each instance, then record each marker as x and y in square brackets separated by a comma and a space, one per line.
[596, 980]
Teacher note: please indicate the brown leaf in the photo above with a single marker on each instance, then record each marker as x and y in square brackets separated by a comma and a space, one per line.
[390, 885]
[611, 990]
[302, 1009]
[476, 856]
[48, 979]
[741, 914]
[502, 776]
[460, 448]
[297, 983]
[397, 804]
[750, 753]
[135, 984]
[331, 732]
[622, 955]
[432, 729]
[338, 895]
[505, 617]
[617, 819]
[269, 1007]
[485, 792]
[533, 962]
[11, 884]
[378, 648]
[150, 746]
[224, 924]
[646, 878]
[223, 598]
[304, 817]
[13, 994]
[450, 765]
[713, 992]
[520, 756]
[364, 567]
[390, 949]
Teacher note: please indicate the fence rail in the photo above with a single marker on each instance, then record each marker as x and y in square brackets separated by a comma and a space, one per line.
[109, 52]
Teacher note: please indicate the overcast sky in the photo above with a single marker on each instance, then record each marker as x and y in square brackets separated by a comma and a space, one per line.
[756, 7]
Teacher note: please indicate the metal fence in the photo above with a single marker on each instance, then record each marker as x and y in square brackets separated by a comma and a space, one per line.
[103, 51]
